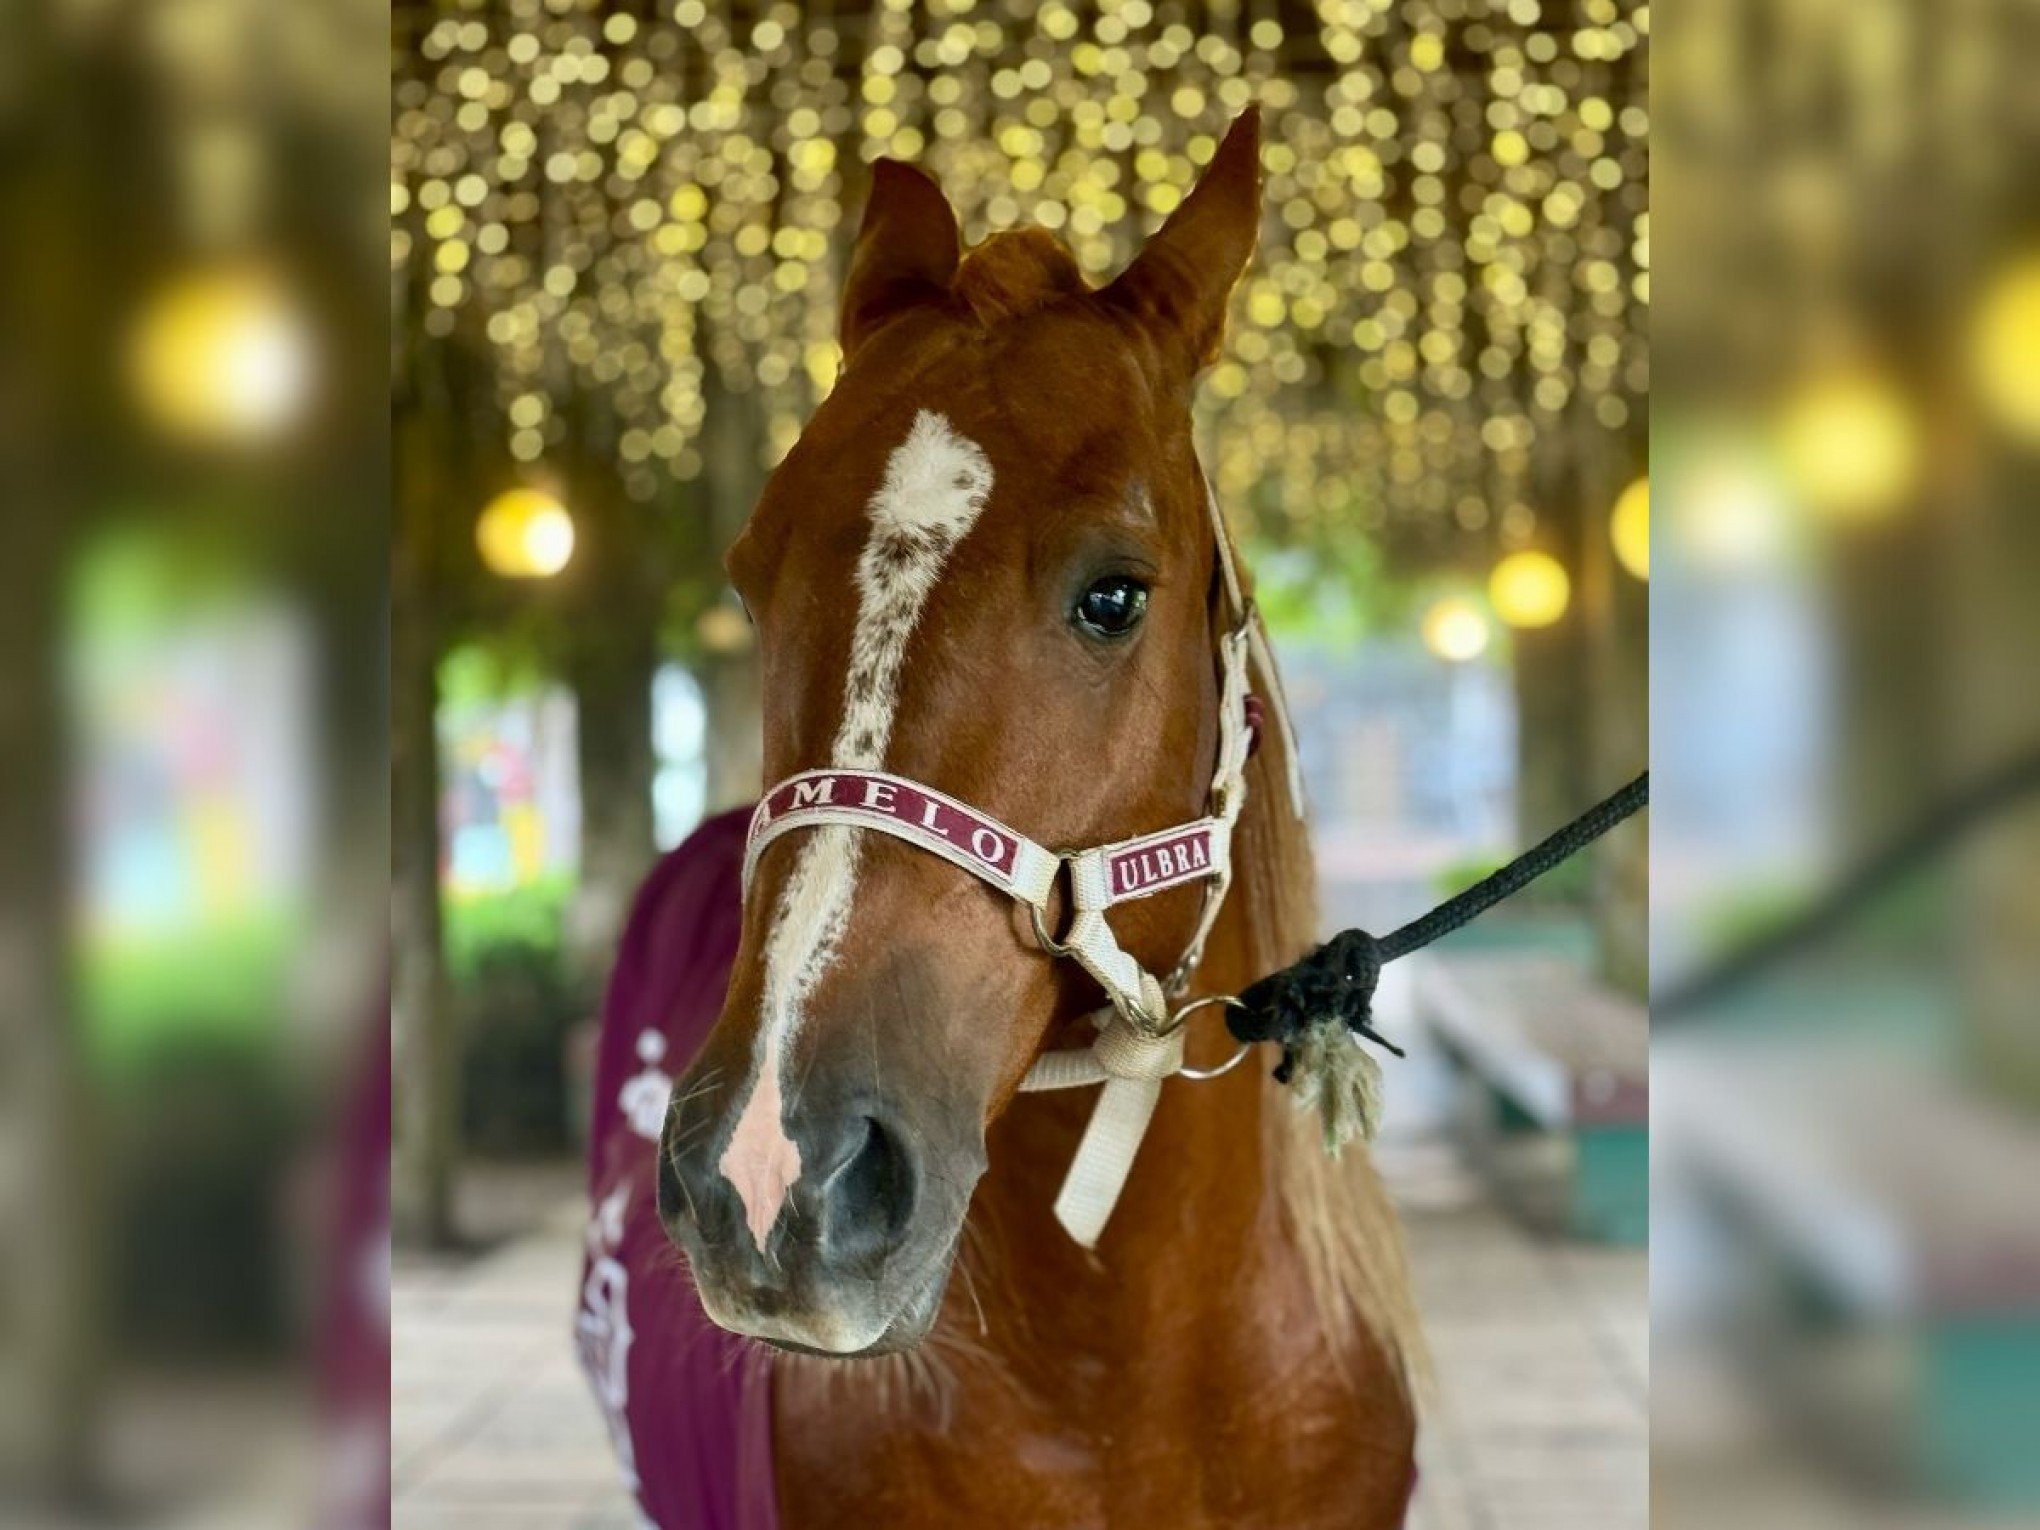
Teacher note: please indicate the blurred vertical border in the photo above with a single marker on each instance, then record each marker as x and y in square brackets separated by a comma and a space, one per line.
[193, 544]
[1846, 846]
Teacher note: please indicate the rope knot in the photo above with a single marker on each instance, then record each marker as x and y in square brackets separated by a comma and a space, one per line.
[1335, 983]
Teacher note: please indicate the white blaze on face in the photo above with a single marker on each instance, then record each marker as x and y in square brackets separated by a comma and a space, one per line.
[935, 487]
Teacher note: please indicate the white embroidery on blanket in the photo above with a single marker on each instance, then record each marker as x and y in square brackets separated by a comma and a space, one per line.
[602, 1329]
[646, 1093]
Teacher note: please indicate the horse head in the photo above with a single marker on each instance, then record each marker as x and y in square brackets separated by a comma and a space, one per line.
[985, 565]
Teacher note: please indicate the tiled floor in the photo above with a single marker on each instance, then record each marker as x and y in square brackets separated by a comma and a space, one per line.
[491, 1422]
[1538, 1416]
[1537, 1421]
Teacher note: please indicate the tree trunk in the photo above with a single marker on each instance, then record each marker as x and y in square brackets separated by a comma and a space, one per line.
[1995, 626]
[1615, 608]
[1551, 680]
[611, 669]
[732, 478]
[50, 1355]
[425, 1065]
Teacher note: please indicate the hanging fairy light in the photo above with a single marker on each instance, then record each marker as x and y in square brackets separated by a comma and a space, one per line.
[1529, 589]
[525, 533]
[653, 208]
[1629, 529]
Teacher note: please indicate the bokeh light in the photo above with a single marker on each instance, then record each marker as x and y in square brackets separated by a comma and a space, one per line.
[723, 629]
[1730, 510]
[1848, 445]
[2004, 348]
[654, 211]
[1529, 589]
[1456, 629]
[1629, 529]
[525, 533]
[222, 356]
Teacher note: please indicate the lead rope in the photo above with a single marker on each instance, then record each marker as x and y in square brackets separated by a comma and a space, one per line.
[1321, 1008]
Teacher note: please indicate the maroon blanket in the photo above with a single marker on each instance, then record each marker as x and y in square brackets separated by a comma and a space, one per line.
[689, 1410]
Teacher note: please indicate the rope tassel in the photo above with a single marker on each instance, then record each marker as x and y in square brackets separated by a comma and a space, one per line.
[1339, 1079]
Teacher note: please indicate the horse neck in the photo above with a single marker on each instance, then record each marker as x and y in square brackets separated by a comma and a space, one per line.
[1199, 1202]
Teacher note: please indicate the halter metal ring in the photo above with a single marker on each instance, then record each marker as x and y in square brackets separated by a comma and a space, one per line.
[1182, 1017]
[1049, 943]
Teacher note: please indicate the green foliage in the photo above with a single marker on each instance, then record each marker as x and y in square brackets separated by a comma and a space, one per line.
[515, 1004]
[1909, 919]
[1308, 596]
[201, 1123]
[529, 918]
[199, 1151]
[223, 986]
[504, 666]
[1341, 596]
[135, 579]
[515, 1013]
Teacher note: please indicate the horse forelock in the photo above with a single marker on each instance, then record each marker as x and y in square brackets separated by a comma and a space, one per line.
[1015, 272]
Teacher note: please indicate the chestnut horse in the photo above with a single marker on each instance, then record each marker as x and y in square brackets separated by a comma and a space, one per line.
[988, 565]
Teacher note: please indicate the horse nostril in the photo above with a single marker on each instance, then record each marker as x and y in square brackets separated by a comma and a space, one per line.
[868, 1199]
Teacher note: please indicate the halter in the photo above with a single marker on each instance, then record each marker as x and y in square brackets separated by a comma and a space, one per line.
[1140, 1042]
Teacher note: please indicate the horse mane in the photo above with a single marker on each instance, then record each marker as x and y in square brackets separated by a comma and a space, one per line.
[1335, 1211]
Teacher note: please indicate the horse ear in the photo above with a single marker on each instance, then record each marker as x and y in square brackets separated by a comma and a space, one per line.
[906, 251]
[1179, 284]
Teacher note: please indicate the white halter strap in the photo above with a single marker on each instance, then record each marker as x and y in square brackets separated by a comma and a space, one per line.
[1139, 1045]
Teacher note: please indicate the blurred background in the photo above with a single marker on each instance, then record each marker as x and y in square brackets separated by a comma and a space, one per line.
[614, 235]
[192, 803]
[1846, 1233]
[618, 232]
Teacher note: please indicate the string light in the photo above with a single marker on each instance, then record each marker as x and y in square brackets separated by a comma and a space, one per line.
[647, 209]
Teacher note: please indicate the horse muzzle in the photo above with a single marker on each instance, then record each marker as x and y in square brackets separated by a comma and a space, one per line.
[851, 1256]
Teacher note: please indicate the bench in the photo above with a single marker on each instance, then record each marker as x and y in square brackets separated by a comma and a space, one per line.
[1544, 1050]
[1873, 1205]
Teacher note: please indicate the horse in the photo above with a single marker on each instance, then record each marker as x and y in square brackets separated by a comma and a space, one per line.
[987, 580]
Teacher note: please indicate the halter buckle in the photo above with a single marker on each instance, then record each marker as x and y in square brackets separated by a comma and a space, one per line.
[1054, 947]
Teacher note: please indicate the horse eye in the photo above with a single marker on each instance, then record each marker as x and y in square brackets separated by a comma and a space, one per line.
[1113, 606]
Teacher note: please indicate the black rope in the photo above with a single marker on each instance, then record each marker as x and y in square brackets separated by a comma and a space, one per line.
[1337, 980]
